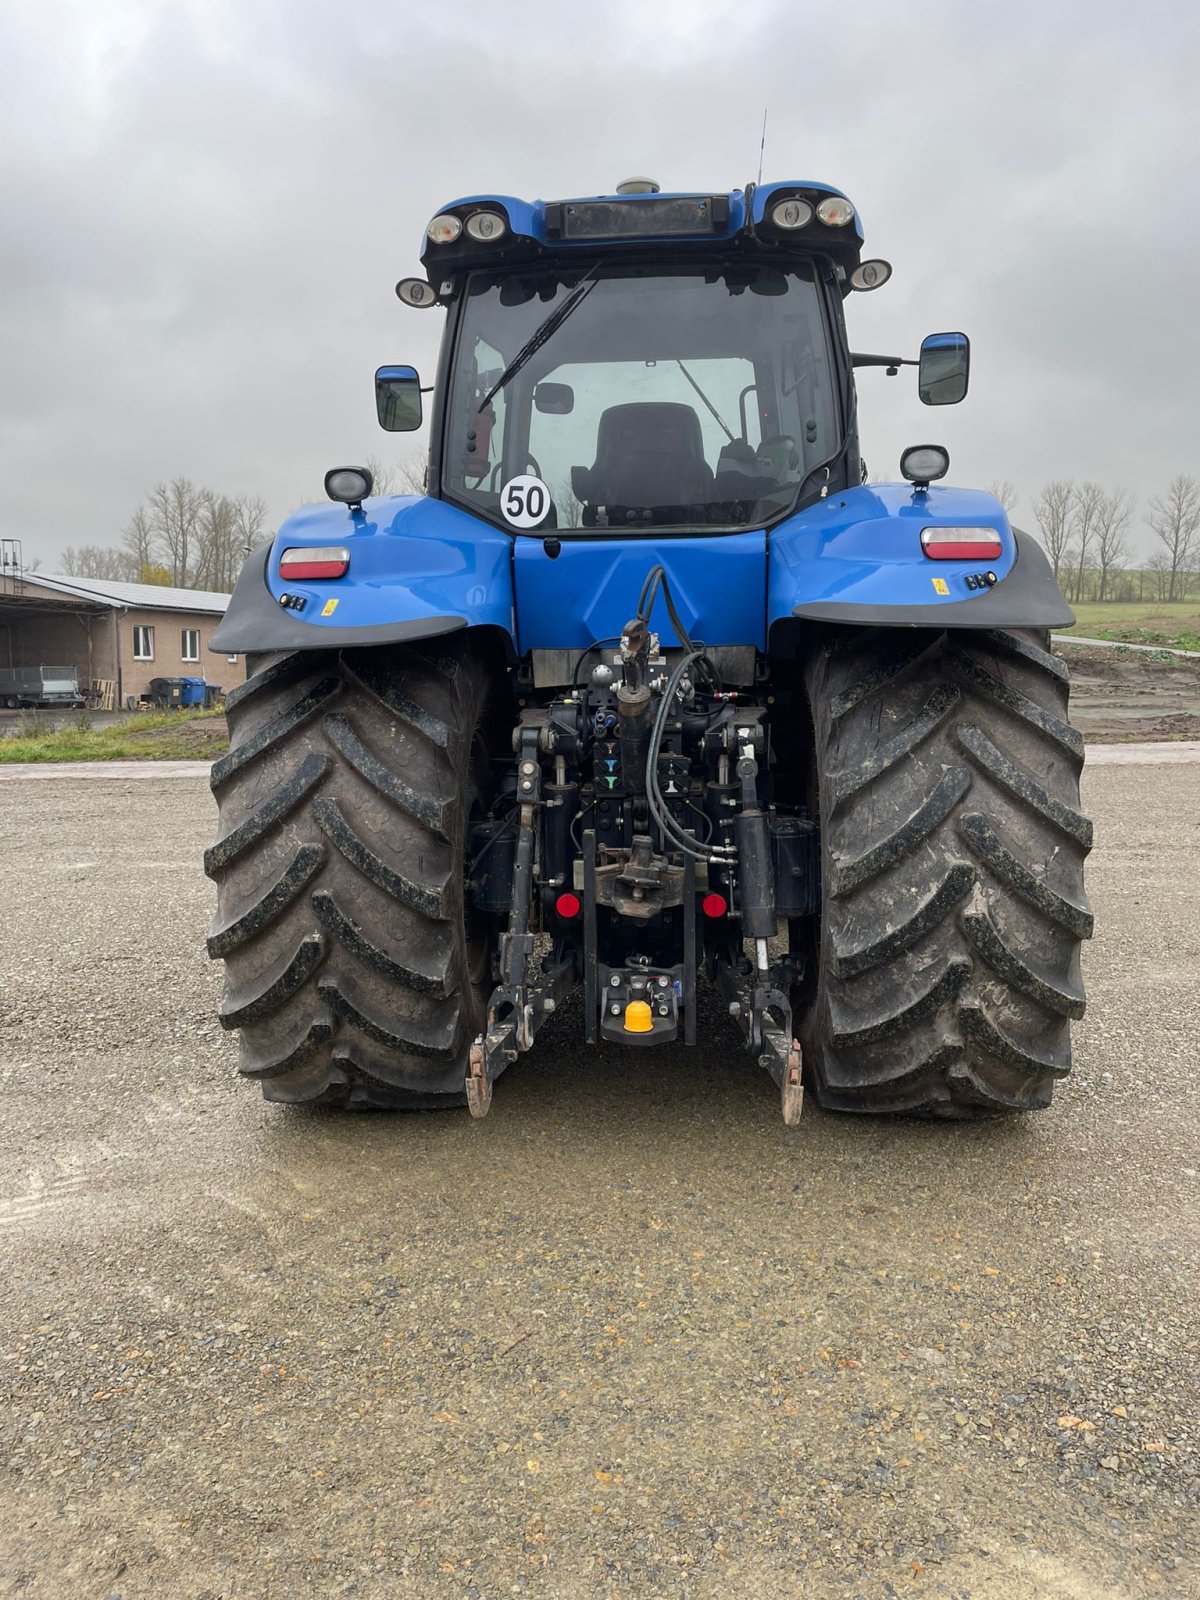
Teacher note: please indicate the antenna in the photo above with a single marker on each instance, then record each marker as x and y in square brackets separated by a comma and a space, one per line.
[763, 145]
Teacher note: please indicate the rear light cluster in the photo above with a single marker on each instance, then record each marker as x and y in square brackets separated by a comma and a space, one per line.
[323, 561]
[961, 544]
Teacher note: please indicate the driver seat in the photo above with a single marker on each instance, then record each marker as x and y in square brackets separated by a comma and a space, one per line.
[649, 456]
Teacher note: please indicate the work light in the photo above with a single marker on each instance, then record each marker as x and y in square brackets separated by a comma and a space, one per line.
[484, 225]
[791, 214]
[350, 485]
[444, 229]
[836, 211]
[922, 463]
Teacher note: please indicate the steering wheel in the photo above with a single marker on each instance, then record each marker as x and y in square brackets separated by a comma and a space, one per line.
[494, 477]
[778, 454]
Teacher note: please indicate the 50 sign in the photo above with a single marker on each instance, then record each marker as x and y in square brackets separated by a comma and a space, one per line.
[525, 501]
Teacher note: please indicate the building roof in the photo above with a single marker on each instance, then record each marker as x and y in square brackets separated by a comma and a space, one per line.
[143, 596]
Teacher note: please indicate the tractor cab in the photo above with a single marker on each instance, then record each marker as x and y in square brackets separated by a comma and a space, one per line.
[641, 361]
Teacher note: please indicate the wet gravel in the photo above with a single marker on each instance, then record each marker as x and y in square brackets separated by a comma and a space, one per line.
[630, 1336]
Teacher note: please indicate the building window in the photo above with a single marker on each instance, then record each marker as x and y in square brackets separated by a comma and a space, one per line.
[191, 644]
[143, 644]
[231, 658]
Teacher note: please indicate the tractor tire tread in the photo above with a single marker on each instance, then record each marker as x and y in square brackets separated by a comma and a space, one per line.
[341, 913]
[953, 902]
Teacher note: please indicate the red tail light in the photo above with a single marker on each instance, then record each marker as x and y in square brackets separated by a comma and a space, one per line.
[324, 561]
[961, 544]
[714, 905]
[568, 905]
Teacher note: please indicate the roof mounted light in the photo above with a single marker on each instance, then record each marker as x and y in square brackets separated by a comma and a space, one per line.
[835, 211]
[792, 214]
[637, 186]
[486, 225]
[417, 293]
[870, 275]
[349, 485]
[444, 229]
[921, 464]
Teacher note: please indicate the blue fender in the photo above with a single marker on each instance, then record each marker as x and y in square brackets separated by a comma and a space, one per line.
[857, 558]
[418, 567]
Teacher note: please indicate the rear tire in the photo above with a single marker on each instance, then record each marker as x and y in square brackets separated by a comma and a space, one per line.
[354, 969]
[952, 867]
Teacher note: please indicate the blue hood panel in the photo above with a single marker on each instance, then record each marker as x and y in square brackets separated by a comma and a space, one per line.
[590, 590]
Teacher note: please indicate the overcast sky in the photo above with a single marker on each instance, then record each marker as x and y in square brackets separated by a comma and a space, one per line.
[204, 207]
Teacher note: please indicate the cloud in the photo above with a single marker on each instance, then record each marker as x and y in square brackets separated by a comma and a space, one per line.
[204, 207]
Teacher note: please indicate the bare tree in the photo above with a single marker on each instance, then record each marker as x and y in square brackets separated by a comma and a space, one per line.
[408, 477]
[568, 504]
[216, 544]
[139, 541]
[1112, 523]
[96, 561]
[1175, 521]
[175, 511]
[1006, 493]
[1052, 508]
[383, 479]
[1085, 512]
[251, 510]
[414, 471]
[1159, 567]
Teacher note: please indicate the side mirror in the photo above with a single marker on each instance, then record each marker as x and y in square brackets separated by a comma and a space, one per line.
[398, 399]
[554, 399]
[943, 369]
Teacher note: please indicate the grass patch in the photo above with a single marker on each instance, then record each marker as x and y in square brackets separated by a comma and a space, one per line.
[1175, 626]
[140, 736]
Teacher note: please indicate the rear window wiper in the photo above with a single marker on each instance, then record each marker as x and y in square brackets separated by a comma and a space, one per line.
[544, 331]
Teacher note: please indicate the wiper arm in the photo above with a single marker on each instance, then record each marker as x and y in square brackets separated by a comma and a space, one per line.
[544, 331]
[707, 401]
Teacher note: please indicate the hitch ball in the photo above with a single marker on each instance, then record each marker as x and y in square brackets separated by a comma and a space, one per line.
[638, 1017]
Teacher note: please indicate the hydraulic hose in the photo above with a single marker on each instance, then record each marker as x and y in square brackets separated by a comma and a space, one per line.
[672, 832]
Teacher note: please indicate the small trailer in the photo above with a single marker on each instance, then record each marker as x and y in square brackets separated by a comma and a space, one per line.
[40, 686]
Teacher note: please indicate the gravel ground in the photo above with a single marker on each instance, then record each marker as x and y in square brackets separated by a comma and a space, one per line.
[628, 1337]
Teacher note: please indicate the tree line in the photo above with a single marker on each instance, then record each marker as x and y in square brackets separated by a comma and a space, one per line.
[186, 536]
[183, 535]
[1087, 532]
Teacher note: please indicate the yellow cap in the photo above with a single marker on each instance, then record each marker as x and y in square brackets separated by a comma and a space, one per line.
[638, 1017]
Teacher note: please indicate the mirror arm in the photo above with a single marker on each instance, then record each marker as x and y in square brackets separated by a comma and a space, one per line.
[857, 359]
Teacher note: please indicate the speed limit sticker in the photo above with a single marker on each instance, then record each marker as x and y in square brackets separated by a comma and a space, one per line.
[524, 501]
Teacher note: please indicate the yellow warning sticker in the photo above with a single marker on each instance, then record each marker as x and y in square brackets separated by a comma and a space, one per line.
[940, 586]
[330, 606]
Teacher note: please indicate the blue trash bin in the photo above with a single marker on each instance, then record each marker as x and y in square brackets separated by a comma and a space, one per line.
[193, 692]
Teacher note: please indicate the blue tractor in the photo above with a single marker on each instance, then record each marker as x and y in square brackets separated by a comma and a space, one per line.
[651, 696]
